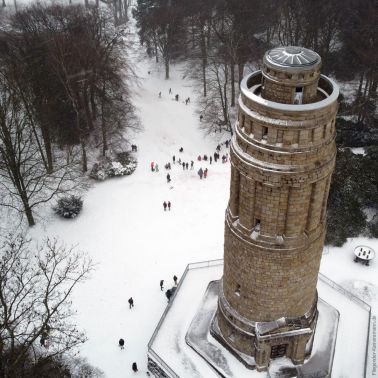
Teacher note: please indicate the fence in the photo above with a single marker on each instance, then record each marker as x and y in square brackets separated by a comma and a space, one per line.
[151, 352]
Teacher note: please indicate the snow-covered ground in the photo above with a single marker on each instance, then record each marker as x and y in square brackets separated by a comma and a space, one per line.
[136, 244]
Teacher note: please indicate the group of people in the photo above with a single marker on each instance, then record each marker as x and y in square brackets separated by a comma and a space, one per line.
[154, 167]
[170, 291]
[202, 173]
[167, 205]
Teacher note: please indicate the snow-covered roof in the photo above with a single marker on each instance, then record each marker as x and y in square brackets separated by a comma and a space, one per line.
[292, 58]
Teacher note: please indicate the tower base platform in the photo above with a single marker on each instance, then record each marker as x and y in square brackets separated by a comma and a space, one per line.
[187, 341]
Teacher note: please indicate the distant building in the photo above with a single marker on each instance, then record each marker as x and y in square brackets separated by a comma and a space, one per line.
[282, 158]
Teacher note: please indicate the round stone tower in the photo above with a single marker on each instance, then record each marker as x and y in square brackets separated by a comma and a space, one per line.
[282, 157]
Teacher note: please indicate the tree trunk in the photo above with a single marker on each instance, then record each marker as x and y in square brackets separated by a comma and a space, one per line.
[28, 212]
[93, 104]
[88, 114]
[240, 71]
[166, 62]
[84, 157]
[156, 51]
[232, 68]
[360, 84]
[204, 61]
[103, 130]
[47, 144]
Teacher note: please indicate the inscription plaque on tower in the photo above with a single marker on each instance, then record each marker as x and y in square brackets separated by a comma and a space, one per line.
[282, 158]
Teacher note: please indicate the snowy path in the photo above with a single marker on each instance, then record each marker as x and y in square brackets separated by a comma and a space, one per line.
[135, 243]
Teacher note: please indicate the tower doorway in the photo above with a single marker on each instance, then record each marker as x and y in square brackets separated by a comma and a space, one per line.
[278, 351]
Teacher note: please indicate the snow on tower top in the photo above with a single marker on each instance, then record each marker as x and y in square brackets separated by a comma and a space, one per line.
[292, 58]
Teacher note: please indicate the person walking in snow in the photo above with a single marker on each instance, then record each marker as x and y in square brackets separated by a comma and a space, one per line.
[175, 279]
[227, 143]
[170, 90]
[177, 97]
[201, 118]
[200, 173]
[168, 294]
[168, 178]
[192, 164]
[165, 205]
[134, 367]
[161, 285]
[183, 166]
[205, 173]
[159, 94]
[174, 159]
[205, 157]
[199, 158]
[169, 205]
[181, 149]
[218, 147]
[152, 166]
[131, 302]
[156, 167]
[121, 343]
[187, 166]
[211, 159]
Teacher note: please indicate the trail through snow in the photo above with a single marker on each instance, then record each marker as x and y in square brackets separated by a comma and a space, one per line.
[125, 230]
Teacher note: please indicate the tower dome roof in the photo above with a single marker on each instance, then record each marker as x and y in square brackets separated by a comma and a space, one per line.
[292, 58]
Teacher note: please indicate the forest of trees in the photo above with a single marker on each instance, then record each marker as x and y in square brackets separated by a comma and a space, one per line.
[221, 40]
[64, 93]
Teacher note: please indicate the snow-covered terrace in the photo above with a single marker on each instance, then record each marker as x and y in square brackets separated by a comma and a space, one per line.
[168, 347]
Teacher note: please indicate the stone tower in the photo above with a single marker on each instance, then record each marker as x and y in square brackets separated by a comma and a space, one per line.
[282, 157]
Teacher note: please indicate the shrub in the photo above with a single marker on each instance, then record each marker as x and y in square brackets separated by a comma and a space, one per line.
[122, 166]
[69, 207]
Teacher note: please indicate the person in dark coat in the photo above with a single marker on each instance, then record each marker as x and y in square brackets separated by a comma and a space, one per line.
[168, 294]
[174, 159]
[218, 147]
[169, 205]
[165, 205]
[205, 173]
[161, 285]
[205, 157]
[215, 156]
[181, 149]
[168, 178]
[170, 90]
[134, 367]
[177, 97]
[201, 118]
[227, 143]
[211, 159]
[183, 166]
[175, 279]
[187, 166]
[131, 302]
[121, 343]
[191, 164]
[200, 173]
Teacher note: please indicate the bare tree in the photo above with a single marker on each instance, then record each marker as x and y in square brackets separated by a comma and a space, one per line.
[24, 182]
[35, 308]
